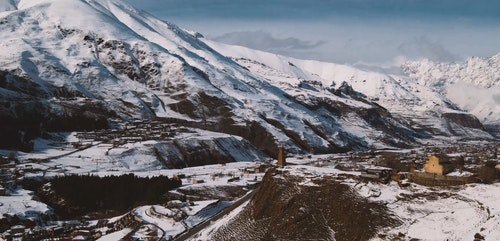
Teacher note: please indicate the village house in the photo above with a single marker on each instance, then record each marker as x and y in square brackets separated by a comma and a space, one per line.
[261, 168]
[381, 174]
[4, 160]
[17, 231]
[258, 168]
[440, 165]
[81, 235]
[197, 181]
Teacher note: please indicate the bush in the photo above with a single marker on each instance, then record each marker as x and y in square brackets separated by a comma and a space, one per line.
[486, 174]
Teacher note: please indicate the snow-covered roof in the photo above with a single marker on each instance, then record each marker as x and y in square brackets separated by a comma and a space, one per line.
[379, 168]
[460, 174]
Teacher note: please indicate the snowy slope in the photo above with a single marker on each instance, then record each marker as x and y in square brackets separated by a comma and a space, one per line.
[473, 85]
[420, 105]
[423, 213]
[89, 61]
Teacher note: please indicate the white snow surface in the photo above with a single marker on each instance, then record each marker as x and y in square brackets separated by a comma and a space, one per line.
[456, 213]
[168, 225]
[205, 233]
[473, 209]
[115, 235]
[21, 203]
[430, 214]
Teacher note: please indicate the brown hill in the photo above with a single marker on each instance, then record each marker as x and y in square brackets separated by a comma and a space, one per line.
[291, 207]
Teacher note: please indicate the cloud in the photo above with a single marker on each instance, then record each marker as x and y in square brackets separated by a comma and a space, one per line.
[423, 47]
[263, 40]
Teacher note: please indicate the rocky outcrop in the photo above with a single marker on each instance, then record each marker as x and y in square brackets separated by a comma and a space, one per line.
[190, 152]
[463, 119]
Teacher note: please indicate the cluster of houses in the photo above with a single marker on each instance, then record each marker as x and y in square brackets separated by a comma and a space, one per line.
[132, 132]
[72, 231]
[469, 164]
[440, 171]
[20, 232]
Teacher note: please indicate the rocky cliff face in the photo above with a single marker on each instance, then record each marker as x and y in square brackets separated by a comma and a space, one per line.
[188, 152]
[291, 207]
[466, 120]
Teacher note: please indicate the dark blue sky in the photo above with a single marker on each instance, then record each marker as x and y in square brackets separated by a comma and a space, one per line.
[344, 31]
[307, 9]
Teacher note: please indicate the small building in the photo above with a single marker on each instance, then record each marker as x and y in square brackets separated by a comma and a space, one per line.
[80, 238]
[438, 165]
[58, 230]
[4, 160]
[381, 174]
[247, 170]
[234, 179]
[260, 168]
[197, 181]
[6, 236]
[17, 231]
[81, 232]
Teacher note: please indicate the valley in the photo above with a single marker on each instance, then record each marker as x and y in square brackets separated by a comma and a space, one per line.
[211, 188]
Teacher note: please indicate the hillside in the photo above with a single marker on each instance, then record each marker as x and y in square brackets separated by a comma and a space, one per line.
[288, 206]
[318, 201]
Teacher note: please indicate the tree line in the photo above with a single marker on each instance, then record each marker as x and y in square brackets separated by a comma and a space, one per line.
[93, 193]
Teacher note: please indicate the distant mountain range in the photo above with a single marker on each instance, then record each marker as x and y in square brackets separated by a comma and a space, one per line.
[73, 65]
[474, 86]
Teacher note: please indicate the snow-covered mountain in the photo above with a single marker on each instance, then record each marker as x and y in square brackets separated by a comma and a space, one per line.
[421, 105]
[474, 86]
[79, 64]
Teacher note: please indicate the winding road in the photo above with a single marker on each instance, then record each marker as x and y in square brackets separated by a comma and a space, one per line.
[192, 232]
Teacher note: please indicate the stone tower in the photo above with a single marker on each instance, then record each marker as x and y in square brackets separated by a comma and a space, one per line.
[281, 157]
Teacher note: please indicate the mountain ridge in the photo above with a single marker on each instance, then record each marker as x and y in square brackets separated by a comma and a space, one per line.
[402, 95]
[105, 61]
[473, 85]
